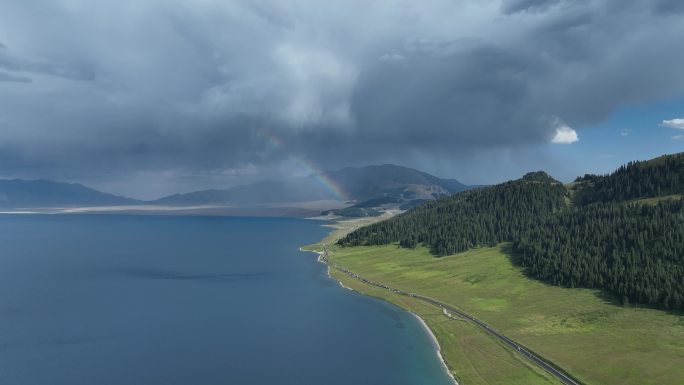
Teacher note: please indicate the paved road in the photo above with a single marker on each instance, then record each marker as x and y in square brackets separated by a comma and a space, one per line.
[563, 377]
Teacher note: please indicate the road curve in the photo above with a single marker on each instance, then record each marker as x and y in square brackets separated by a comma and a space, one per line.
[560, 375]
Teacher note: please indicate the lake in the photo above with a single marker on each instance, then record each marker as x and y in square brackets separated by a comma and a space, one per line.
[118, 299]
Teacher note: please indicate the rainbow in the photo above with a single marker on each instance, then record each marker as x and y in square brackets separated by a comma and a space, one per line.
[306, 165]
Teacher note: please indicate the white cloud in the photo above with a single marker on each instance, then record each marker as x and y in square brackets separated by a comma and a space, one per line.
[678, 137]
[319, 84]
[674, 123]
[564, 134]
[625, 132]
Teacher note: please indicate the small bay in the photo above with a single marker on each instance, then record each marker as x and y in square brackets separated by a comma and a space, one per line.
[118, 299]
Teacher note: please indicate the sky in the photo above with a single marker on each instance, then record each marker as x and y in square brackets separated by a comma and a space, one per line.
[150, 97]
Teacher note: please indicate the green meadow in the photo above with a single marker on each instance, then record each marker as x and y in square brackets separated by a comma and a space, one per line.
[583, 331]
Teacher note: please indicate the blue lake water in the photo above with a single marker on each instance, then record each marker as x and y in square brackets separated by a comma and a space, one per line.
[127, 300]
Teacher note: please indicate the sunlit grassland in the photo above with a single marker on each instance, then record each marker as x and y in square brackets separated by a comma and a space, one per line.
[578, 329]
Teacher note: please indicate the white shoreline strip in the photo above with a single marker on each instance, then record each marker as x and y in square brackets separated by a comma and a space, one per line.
[435, 344]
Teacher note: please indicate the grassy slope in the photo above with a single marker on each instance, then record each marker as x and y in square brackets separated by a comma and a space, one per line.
[597, 341]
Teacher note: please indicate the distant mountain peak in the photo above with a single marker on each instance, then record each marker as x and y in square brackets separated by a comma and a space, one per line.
[539, 176]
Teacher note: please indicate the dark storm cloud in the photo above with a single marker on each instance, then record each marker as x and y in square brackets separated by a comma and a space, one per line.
[221, 89]
[470, 95]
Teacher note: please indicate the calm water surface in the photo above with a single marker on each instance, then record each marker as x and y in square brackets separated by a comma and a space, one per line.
[126, 300]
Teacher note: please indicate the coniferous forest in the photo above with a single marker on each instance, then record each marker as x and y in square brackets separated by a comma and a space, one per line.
[622, 232]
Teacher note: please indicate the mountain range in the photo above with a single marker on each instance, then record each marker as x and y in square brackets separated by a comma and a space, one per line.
[370, 186]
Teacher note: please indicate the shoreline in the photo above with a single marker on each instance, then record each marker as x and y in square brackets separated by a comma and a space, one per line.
[320, 260]
[436, 346]
[435, 343]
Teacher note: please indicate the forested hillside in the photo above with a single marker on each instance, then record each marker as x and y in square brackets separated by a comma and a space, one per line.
[634, 251]
[479, 217]
[656, 177]
[592, 235]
